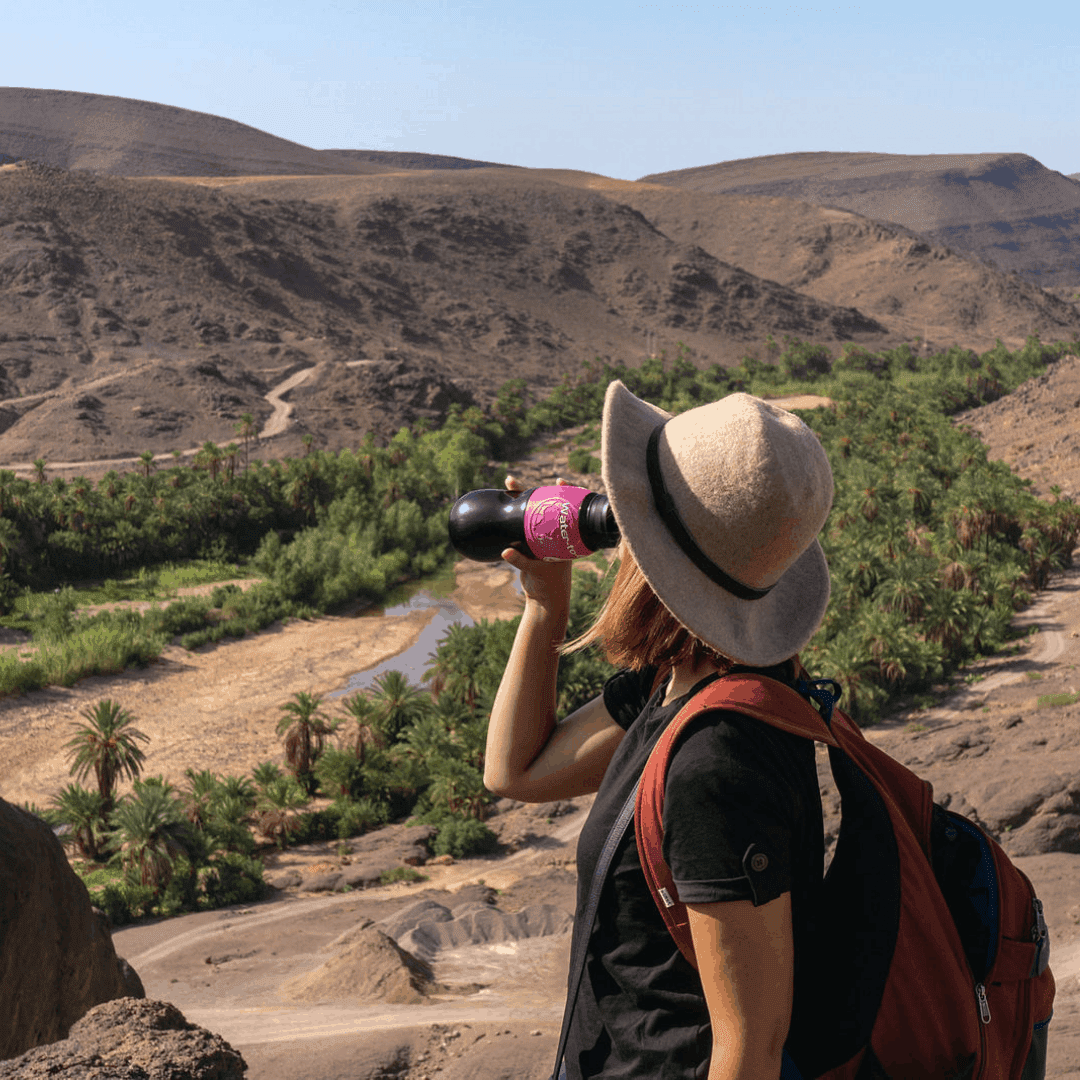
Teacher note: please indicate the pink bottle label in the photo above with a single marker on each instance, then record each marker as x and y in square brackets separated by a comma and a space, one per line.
[551, 523]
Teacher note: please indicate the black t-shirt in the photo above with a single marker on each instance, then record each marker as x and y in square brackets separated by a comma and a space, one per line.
[734, 783]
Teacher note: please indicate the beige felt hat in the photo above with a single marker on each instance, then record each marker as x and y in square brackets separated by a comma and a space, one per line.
[720, 507]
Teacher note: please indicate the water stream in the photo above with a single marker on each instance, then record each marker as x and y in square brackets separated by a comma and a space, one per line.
[416, 659]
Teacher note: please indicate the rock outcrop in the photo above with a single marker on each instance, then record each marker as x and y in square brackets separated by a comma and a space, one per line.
[128, 1039]
[56, 956]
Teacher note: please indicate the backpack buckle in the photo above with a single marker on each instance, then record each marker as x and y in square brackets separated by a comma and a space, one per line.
[824, 692]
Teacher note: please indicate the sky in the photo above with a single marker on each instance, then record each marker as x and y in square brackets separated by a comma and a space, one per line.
[622, 89]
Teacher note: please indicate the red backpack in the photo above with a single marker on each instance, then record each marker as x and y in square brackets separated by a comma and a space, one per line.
[933, 949]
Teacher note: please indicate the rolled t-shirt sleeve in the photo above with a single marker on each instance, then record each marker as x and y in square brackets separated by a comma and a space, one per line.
[730, 811]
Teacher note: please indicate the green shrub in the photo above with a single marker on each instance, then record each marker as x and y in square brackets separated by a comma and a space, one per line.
[463, 837]
[140, 899]
[315, 825]
[233, 879]
[53, 615]
[19, 676]
[340, 774]
[581, 461]
[401, 873]
[1054, 701]
[182, 892]
[355, 818]
[180, 617]
[113, 900]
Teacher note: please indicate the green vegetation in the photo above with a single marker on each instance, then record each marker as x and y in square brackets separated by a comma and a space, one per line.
[932, 550]
[321, 531]
[1056, 701]
[401, 873]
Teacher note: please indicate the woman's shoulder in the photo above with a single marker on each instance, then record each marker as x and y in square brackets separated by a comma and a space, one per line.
[730, 747]
[627, 693]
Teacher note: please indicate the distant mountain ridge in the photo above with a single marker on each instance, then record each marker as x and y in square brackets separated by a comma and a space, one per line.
[1007, 209]
[123, 137]
[405, 159]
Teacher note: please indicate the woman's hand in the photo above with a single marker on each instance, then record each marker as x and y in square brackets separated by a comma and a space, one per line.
[529, 756]
[545, 583]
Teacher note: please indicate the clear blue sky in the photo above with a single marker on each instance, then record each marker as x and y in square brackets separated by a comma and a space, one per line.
[622, 89]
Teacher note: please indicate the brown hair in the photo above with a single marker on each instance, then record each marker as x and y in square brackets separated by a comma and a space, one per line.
[635, 630]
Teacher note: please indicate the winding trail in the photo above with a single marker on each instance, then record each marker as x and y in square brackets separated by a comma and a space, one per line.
[277, 423]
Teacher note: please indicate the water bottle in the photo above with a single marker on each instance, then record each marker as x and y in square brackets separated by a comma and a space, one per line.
[554, 523]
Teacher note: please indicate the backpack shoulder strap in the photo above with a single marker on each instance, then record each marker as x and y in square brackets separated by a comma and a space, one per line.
[753, 695]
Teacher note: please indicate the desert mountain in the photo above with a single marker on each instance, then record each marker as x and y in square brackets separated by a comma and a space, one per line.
[123, 137]
[1006, 209]
[149, 314]
[893, 275]
[375, 288]
[398, 159]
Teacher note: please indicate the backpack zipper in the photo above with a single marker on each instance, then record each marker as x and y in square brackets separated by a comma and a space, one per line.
[984, 1015]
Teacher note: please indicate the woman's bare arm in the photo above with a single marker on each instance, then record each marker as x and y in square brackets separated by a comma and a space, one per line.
[529, 756]
[747, 965]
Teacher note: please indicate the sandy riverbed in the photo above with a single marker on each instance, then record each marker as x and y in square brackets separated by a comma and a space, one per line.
[217, 708]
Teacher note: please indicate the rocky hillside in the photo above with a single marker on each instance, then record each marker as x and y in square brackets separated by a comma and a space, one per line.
[1005, 209]
[165, 272]
[148, 314]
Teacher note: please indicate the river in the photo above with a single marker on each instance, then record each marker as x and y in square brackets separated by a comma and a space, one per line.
[415, 660]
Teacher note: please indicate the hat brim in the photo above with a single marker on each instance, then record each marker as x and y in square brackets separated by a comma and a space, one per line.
[757, 632]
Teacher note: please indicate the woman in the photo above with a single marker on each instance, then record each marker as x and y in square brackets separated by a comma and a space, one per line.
[718, 509]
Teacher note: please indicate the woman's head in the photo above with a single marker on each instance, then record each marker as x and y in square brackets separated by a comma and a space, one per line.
[720, 507]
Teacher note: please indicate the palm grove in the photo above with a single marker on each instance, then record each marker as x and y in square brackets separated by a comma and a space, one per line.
[932, 550]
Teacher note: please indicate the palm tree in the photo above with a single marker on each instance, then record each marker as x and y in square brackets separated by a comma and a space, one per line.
[340, 774]
[236, 787]
[39, 469]
[305, 730]
[106, 745]
[208, 457]
[276, 810]
[265, 774]
[427, 740]
[199, 795]
[245, 428]
[397, 704]
[905, 588]
[455, 663]
[149, 833]
[81, 810]
[229, 453]
[146, 460]
[9, 537]
[361, 709]
[460, 788]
